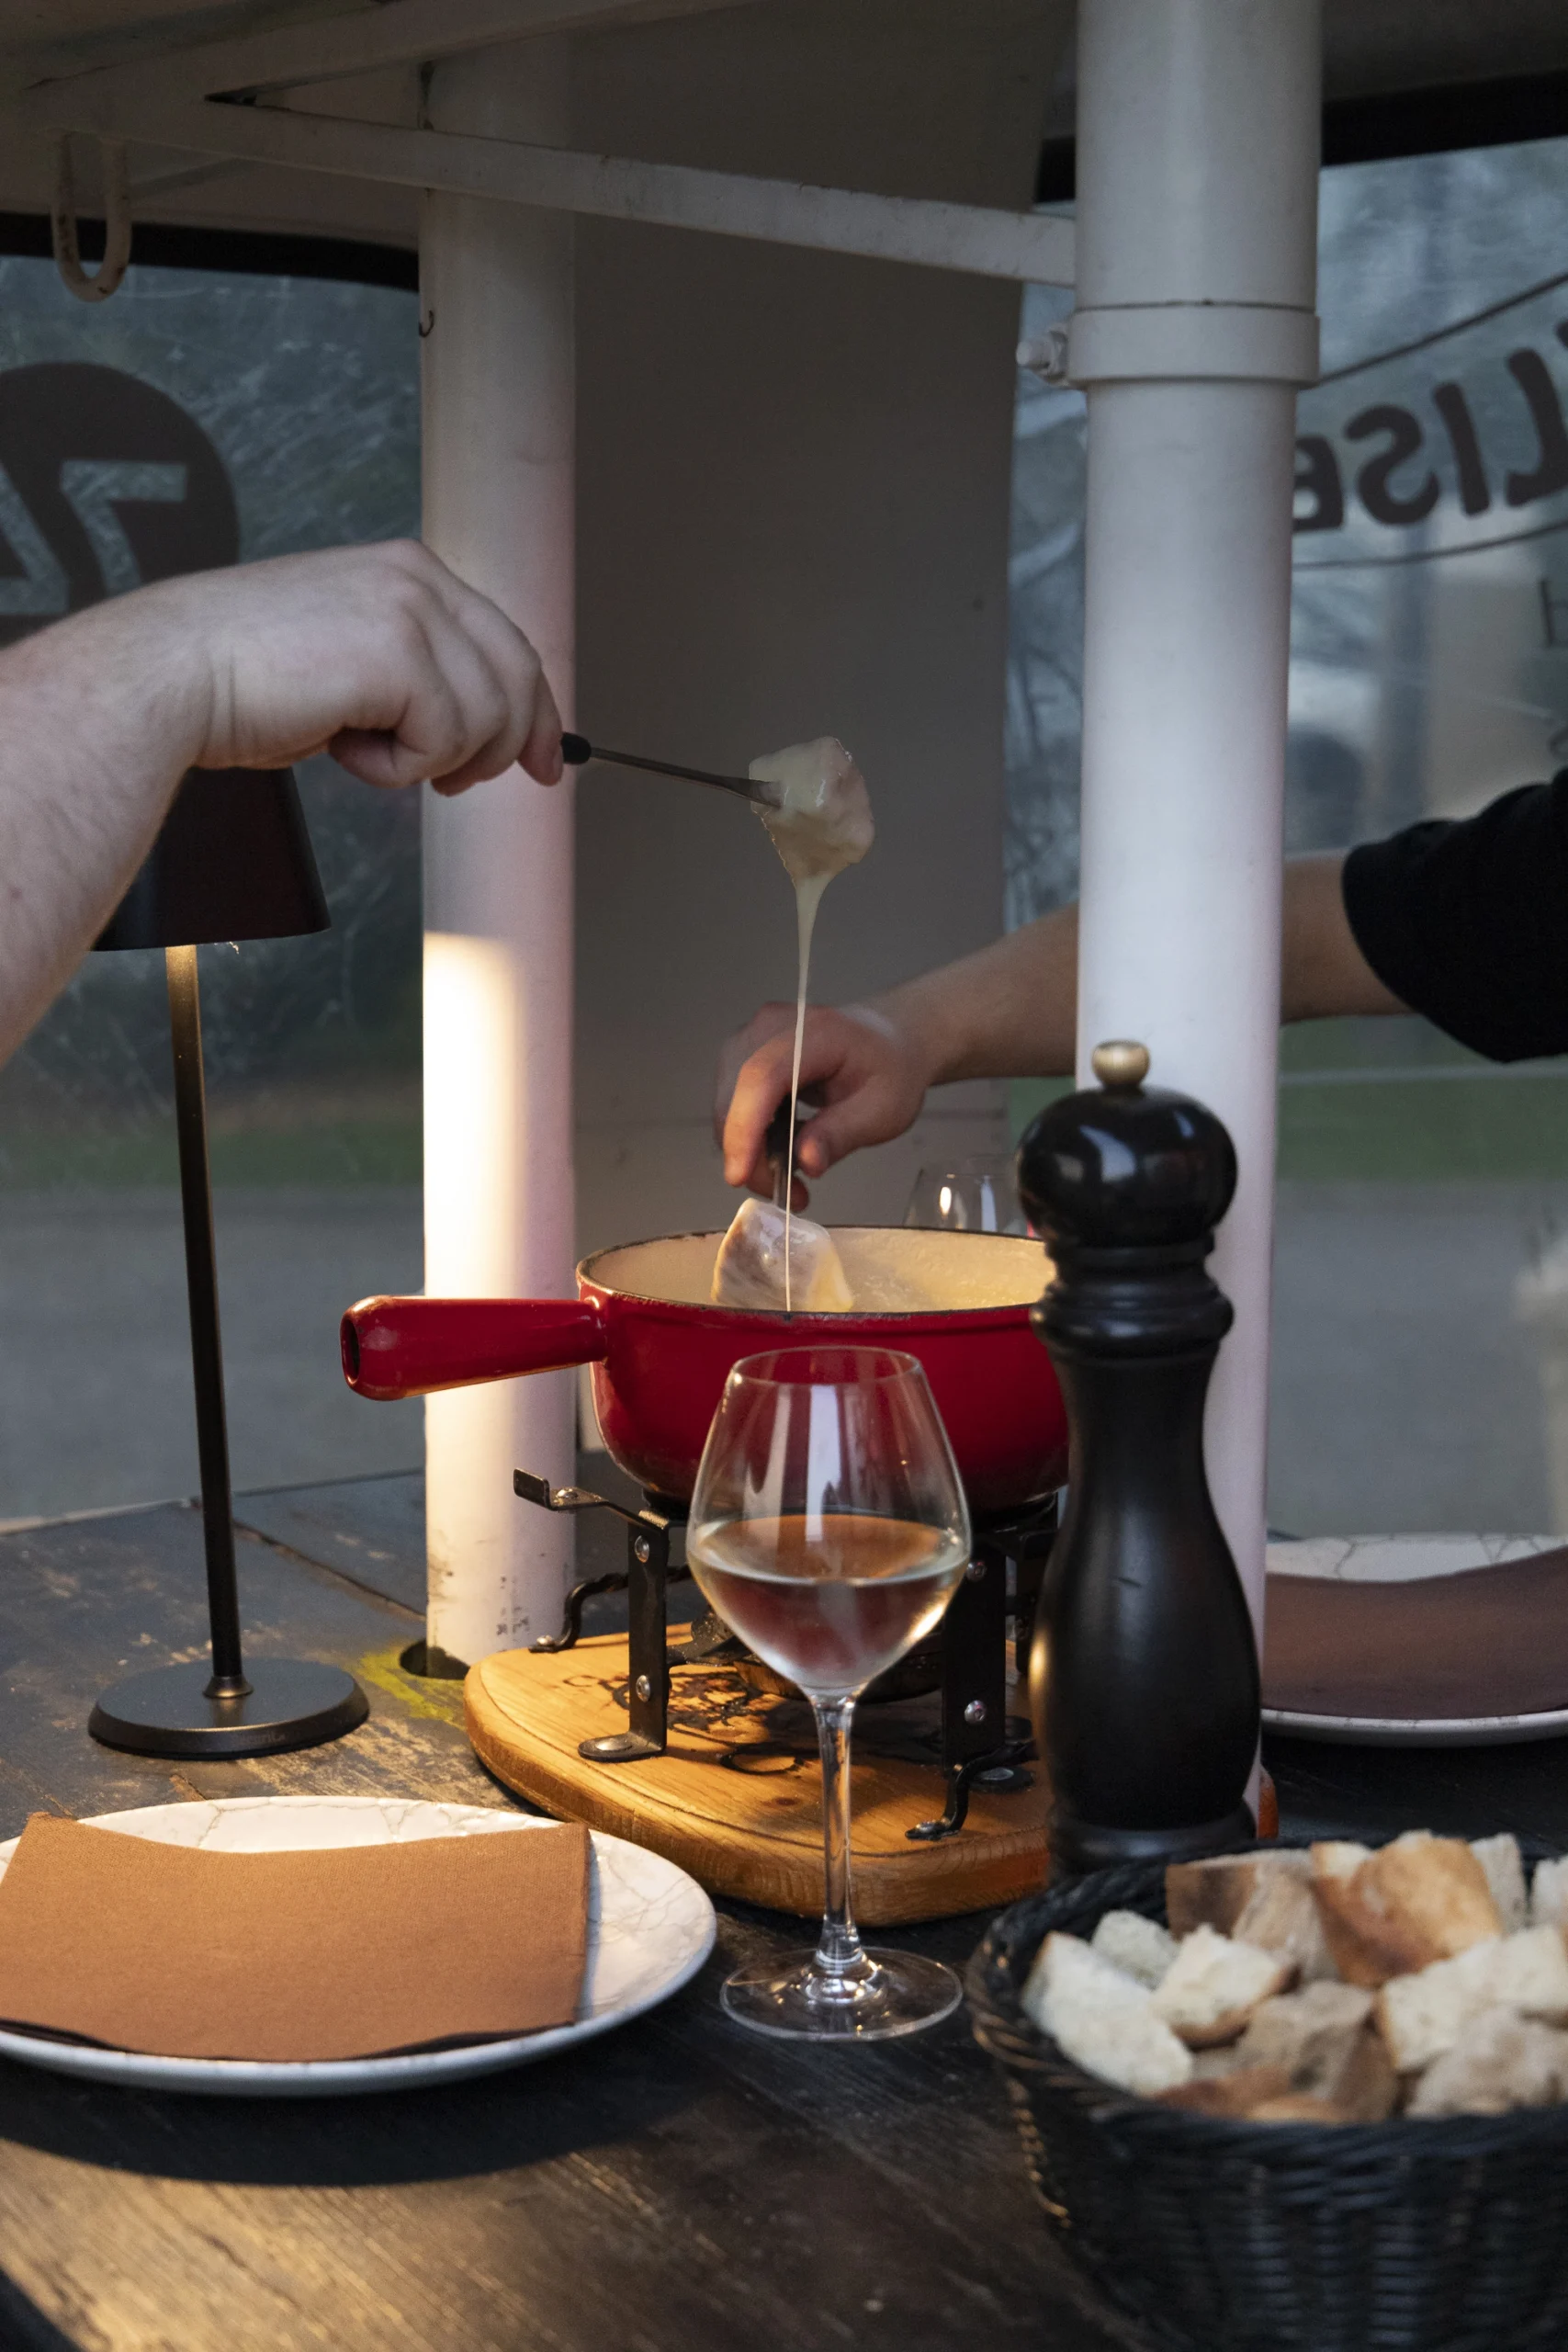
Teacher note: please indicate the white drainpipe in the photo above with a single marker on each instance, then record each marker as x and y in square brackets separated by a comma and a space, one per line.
[496, 309]
[1197, 208]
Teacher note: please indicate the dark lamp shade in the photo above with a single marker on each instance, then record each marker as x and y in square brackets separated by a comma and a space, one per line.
[233, 861]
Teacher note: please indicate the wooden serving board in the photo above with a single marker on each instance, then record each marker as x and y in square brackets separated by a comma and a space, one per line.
[736, 1799]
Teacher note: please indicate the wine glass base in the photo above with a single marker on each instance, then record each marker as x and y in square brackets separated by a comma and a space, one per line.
[790, 1996]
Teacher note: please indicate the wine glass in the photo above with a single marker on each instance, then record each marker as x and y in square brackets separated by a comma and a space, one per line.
[829, 1530]
[978, 1196]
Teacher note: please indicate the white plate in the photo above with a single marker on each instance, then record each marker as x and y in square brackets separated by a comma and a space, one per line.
[1403, 1559]
[650, 1928]
[1417, 1731]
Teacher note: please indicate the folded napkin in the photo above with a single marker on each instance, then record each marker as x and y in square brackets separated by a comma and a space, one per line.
[344, 1952]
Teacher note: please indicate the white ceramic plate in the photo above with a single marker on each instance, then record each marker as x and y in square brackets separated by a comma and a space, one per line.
[1400, 1559]
[650, 1928]
[1417, 1731]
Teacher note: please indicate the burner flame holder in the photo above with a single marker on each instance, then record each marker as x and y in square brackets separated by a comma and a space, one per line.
[980, 1740]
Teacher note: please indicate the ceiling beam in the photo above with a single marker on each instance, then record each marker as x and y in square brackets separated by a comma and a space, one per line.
[1030, 247]
[403, 32]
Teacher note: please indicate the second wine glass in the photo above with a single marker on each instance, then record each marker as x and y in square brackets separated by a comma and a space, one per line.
[829, 1530]
[977, 1195]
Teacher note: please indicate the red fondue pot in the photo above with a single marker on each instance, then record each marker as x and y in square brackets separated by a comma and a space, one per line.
[661, 1353]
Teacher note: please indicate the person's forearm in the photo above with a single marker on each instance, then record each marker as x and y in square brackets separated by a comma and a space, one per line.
[377, 654]
[1322, 970]
[94, 745]
[1011, 1010]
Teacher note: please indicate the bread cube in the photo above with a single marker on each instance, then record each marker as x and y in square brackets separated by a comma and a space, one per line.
[1500, 2060]
[1140, 1948]
[1549, 1893]
[1282, 1918]
[749, 1268]
[1102, 2020]
[1337, 1857]
[1299, 2107]
[1500, 1858]
[1214, 1893]
[1418, 1900]
[1213, 1985]
[1235, 2094]
[1422, 2015]
[1322, 2037]
[1531, 1974]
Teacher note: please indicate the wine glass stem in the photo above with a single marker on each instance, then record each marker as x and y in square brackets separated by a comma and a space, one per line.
[839, 1950]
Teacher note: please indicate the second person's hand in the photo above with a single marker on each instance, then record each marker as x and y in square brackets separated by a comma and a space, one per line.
[867, 1069]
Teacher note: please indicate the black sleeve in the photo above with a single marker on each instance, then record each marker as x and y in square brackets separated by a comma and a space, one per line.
[1468, 921]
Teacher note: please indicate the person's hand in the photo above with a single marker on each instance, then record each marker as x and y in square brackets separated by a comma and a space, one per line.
[865, 1066]
[377, 654]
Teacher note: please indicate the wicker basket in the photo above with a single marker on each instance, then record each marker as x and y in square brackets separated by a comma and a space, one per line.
[1221, 2237]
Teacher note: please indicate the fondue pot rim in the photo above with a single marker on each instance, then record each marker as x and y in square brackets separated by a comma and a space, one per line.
[903, 1317]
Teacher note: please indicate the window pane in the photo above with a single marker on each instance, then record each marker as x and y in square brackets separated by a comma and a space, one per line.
[195, 417]
[1429, 673]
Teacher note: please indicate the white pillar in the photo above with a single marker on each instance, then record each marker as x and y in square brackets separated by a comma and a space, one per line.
[1197, 210]
[496, 309]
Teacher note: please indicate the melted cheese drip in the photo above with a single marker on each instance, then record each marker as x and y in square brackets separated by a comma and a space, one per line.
[820, 823]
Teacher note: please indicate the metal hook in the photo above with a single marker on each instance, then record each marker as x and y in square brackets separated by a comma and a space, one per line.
[117, 222]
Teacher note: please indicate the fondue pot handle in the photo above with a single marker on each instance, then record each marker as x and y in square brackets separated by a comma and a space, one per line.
[409, 1347]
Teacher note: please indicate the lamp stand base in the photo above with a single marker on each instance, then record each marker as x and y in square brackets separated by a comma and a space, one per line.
[292, 1703]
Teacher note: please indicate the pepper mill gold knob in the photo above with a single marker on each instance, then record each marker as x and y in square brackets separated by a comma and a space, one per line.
[1121, 1063]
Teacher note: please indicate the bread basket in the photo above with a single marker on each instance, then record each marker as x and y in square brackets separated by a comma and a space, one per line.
[1224, 2236]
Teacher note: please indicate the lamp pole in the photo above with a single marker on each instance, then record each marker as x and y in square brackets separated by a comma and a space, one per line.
[206, 1341]
[233, 861]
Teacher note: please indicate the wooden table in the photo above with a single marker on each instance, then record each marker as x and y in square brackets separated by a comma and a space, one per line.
[681, 2187]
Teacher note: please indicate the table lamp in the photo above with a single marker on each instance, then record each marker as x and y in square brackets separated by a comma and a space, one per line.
[233, 861]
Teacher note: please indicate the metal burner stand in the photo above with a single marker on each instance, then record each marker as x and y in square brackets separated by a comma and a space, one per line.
[979, 1738]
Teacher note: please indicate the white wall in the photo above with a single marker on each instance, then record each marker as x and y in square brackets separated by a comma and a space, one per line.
[792, 516]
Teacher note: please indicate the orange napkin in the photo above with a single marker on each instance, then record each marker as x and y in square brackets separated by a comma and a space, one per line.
[347, 1952]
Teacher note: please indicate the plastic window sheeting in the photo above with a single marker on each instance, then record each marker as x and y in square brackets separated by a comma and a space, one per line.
[197, 418]
[1421, 1269]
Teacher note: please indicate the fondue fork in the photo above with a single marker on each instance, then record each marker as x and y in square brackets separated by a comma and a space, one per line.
[577, 750]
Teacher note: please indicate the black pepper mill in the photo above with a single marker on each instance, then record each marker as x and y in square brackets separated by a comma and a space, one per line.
[1144, 1670]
